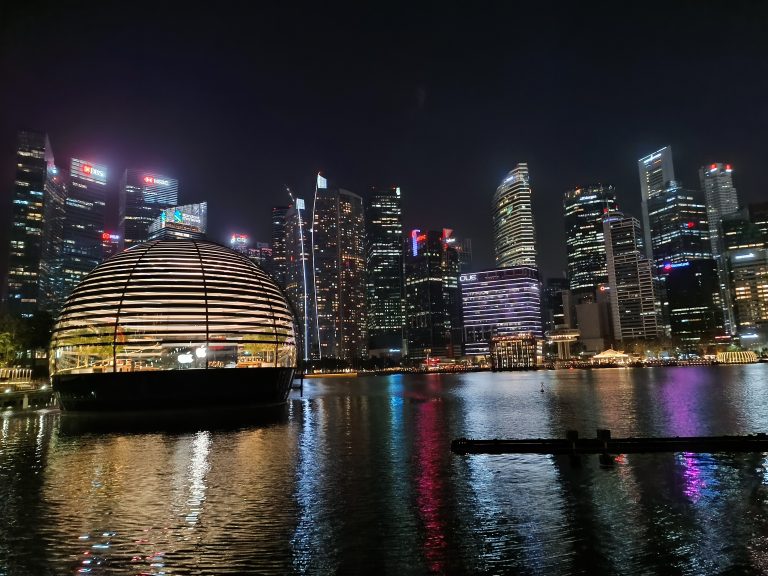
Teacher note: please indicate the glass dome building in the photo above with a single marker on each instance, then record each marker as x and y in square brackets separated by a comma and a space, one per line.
[173, 324]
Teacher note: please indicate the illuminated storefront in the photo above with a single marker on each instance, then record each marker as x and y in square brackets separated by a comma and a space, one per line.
[173, 316]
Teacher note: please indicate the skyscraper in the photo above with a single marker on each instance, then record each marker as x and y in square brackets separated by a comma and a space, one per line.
[584, 211]
[503, 302]
[33, 157]
[655, 171]
[633, 299]
[188, 221]
[722, 200]
[338, 255]
[240, 243]
[384, 266]
[143, 195]
[432, 297]
[514, 236]
[52, 292]
[679, 227]
[84, 213]
[298, 273]
[279, 256]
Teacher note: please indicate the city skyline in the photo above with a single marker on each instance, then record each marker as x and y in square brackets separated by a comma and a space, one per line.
[391, 114]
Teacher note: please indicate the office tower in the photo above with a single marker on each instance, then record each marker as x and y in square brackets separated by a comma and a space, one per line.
[432, 296]
[503, 302]
[143, 195]
[679, 227]
[110, 244]
[261, 255]
[553, 314]
[338, 254]
[33, 156]
[655, 171]
[693, 293]
[384, 267]
[745, 253]
[633, 299]
[514, 237]
[240, 243]
[84, 214]
[722, 200]
[51, 290]
[464, 248]
[584, 210]
[188, 221]
[279, 257]
[298, 273]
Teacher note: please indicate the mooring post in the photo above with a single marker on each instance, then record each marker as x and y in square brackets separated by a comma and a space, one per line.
[604, 435]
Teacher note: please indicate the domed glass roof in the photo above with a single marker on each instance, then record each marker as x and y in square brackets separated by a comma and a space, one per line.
[173, 305]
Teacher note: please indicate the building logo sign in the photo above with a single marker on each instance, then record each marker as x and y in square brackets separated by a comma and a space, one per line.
[468, 278]
[154, 180]
[88, 171]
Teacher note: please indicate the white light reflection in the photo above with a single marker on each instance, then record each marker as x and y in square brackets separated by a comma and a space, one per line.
[198, 469]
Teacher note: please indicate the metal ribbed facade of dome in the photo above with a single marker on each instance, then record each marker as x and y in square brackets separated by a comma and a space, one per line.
[182, 306]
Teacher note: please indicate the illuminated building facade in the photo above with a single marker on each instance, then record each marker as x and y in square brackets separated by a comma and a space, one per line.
[261, 255]
[52, 292]
[384, 265]
[33, 157]
[514, 237]
[693, 292]
[162, 324]
[553, 310]
[110, 244]
[142, 196]
[279, 253]
[679, 227]
[298, 273]
[655, 171]
[584, 210]
[432, 295]
[240, 243]
[338, 254]
[84, 214]
[745, 244]
[184, 222]
[503, 302]
[636, 314]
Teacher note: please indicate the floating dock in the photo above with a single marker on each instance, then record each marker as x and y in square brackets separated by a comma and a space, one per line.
[604, 444]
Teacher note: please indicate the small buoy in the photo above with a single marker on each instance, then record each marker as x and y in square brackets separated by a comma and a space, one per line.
[542, 386]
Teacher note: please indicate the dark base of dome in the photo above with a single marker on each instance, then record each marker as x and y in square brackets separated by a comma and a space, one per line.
[172, 389]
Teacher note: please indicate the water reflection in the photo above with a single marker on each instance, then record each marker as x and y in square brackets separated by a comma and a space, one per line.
[357, 476]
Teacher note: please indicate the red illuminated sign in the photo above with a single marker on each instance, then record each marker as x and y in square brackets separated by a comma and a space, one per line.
[105, 236]
[714, 166]
[87, 169]
[155, 180]
[691, 224]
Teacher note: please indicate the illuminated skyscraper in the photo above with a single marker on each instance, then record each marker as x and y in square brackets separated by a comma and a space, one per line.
[33, 157]
[84, 213]
[298, 273]
[279, 256]
[432, 296]
[584, 211]
[143, 195]
[655, 171]
[514, 236]
[240, 243]
[722, 200]
[52, 291]
[633, 299]
[338, 255]
[384, 267]
[186, 222]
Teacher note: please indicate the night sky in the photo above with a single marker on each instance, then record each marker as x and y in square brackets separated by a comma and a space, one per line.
[442, 99]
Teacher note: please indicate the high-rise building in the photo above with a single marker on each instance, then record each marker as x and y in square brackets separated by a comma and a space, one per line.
[33, 157]
[110, 244]
[679, 227]
[693, 294]
[745, 253]
[240, 243]
[553, 312]
[655, 171]
[142, 196]
[721, 200]
[261, 255]
[432, 297]
[84, 215]
[633, 300]
[384, 267]
[188, 221]
[279, 256]
[514, 236]
[338, 254]
[51, 293]
[584, 210]
[502, 302]
[298, 273]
